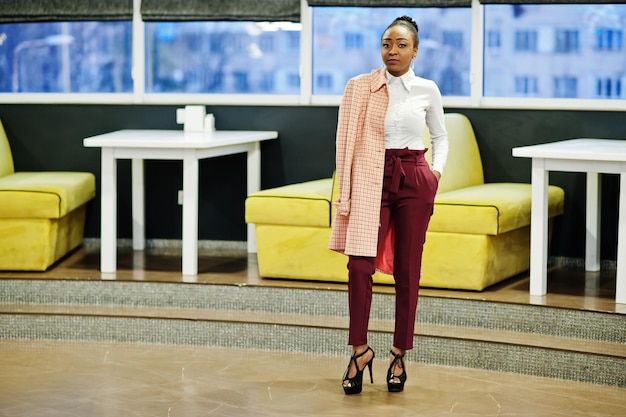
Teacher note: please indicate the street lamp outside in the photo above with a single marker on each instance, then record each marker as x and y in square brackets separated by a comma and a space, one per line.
[53, 40]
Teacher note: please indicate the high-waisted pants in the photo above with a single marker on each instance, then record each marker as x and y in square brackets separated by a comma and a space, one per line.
[409, 188]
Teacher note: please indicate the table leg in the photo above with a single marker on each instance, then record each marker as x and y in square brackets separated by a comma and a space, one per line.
[190, 212]
[254, 185]
[539, 229]
[620, 287]
[592, 238]
[108, 215]
[139, 233]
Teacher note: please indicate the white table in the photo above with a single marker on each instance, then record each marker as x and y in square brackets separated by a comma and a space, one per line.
[138, 145]
[593, 156]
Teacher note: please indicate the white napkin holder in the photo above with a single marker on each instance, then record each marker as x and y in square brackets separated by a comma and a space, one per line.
[192, 118]
[195, 120]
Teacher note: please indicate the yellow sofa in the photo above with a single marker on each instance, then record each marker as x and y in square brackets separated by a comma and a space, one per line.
[42, 214]
[478, 235]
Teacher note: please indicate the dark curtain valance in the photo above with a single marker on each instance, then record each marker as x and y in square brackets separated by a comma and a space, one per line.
[13, 11]
[259, 10]
[173, 10]
[392, 3]
[553, 1]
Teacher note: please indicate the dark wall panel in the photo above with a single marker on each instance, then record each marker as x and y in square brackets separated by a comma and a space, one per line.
[49, 137]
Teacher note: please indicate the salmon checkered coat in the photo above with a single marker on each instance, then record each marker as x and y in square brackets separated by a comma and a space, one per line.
[360, 159]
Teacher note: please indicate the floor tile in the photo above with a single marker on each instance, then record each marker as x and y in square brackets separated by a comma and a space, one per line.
[57, 378]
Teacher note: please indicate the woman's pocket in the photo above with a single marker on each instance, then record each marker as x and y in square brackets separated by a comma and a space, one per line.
[427, 182]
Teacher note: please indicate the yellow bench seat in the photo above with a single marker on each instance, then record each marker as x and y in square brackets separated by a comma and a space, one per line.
[42, 214]
[44, 195]
[483, 209]
[303, 204]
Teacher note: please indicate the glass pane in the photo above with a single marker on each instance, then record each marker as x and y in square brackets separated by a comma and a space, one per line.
[223, 57]
[346, 42]
[86, 57]
[555, 51]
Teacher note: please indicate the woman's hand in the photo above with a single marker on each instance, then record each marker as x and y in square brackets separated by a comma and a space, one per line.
[437, 174]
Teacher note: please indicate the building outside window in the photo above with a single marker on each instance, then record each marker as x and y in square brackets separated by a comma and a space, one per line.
[567, 41]
[609, 87]
[493, 41]
[453, 38]
[293, 80]
[222, 57]
[267, 82]
[65, 57]
[526, 85]
[324, 82]
[562, 50]
[353, 40]
[563, 46]
[565, 86]
[444, 54]
[609, 39]
[526, 40]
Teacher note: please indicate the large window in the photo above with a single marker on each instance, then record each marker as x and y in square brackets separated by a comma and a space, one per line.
[69, 57]
[516, 51]
[223, 57]
[556, 51]
[346, 42]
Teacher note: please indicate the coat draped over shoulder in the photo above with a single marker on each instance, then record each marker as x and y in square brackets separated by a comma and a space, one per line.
[360, 162]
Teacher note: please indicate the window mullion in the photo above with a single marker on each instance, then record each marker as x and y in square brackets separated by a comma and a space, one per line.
[476, 54]
[139, 53]
[306, 53]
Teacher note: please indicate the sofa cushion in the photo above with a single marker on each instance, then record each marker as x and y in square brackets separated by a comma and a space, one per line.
[45, 195]
[303, 204]
[490, 209]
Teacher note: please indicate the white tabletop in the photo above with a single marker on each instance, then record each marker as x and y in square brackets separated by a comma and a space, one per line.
[579, 149]
[153, 138]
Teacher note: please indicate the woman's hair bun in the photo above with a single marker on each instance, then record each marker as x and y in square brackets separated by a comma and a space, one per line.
[408, 19]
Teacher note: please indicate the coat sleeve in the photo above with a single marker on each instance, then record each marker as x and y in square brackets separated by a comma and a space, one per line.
[347, 131]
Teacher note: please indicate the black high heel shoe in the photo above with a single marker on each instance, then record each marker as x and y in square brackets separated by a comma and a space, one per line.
[356, 382]
[392, 385]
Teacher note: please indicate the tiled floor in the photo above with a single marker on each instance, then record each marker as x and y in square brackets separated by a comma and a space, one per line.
[61, 378]
[49, 379]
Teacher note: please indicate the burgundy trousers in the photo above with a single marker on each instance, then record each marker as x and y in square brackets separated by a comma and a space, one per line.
[409, 189]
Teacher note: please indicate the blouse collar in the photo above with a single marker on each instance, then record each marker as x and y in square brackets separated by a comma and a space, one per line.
[405, 78]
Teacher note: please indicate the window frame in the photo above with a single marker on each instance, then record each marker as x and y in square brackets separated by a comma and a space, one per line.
[474, 100]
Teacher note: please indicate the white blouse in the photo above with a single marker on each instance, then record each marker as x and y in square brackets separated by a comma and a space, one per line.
[415, 102]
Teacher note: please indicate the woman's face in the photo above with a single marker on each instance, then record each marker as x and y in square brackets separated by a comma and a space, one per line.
[397, 50]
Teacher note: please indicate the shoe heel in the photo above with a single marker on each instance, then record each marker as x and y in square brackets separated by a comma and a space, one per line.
[356, 382]
[396, 386]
